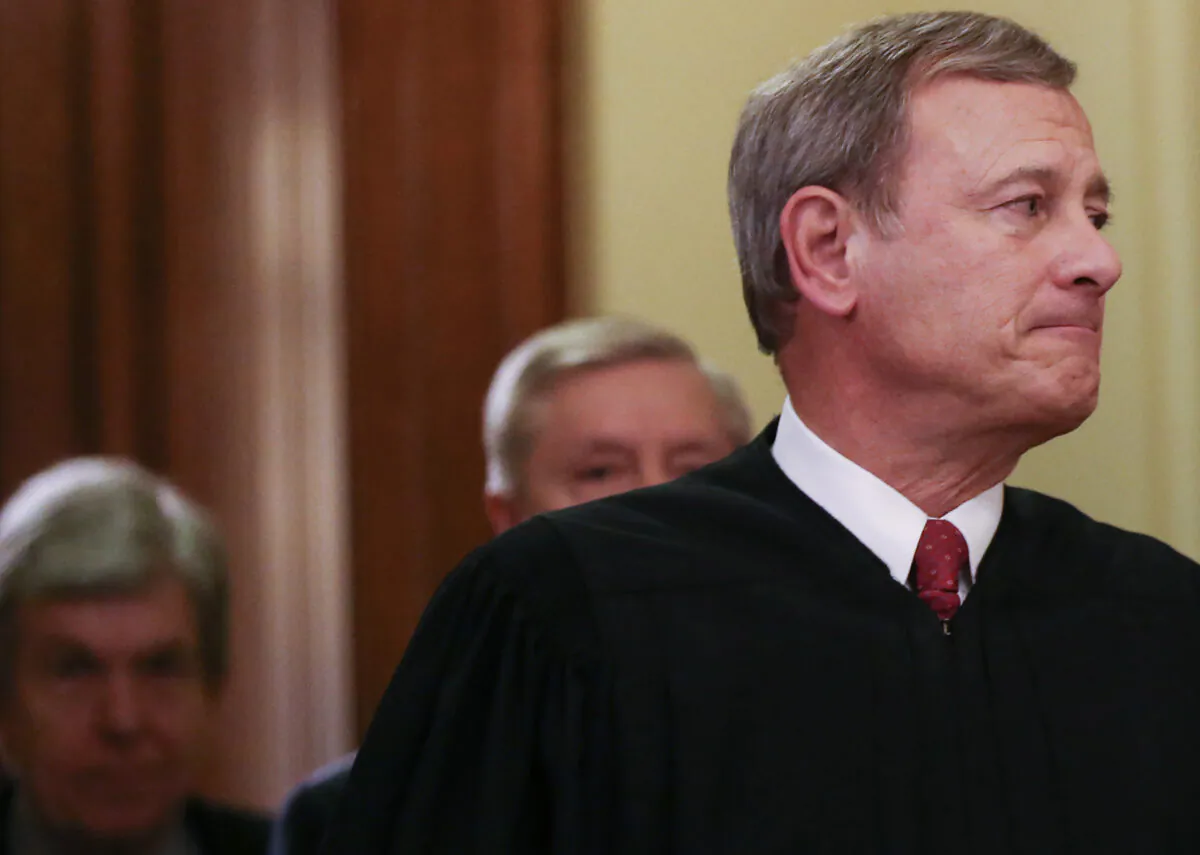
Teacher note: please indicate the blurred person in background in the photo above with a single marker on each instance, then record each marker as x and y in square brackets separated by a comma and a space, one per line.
[578, 411]
[114, 648]
[600, 406]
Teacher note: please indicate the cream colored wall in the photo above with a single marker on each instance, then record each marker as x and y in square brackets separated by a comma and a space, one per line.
[659, 87]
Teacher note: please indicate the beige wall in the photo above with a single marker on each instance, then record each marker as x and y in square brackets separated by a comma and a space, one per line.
[660, 83]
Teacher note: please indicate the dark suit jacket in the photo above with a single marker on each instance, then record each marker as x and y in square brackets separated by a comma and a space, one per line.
[308, 810]
[217, 829]
[223, 830]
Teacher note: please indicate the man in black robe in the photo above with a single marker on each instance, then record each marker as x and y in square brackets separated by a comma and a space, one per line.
[850, 636]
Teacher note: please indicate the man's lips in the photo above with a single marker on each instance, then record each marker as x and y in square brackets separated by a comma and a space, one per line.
[1084, 325]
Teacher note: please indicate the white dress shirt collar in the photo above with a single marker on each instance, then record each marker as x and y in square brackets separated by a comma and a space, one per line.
[881, 518]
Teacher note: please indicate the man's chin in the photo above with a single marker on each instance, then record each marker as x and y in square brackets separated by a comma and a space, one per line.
[1064, 413]
[123, 825]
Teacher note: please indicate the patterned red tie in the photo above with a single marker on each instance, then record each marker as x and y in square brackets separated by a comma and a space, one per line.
[941, 555]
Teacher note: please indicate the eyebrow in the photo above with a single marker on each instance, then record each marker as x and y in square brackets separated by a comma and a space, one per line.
[605, 446]
[173, 648]
[55, 644]
[1098, 187]
[610, 446]
[688, 446]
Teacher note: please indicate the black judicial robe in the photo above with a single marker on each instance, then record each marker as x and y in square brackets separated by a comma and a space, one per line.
[718, 666]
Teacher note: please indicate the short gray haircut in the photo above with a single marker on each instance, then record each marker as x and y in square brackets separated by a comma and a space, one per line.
[839, 119]
[535, 365]
[94, 526]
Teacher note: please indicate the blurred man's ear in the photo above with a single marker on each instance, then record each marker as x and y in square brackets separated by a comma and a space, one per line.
[501, 511]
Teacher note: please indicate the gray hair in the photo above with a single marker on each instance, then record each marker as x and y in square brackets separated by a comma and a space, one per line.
[533, 367]
[839, 119]
[93, 526]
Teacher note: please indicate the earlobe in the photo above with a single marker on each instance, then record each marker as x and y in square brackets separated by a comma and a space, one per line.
[816, 225]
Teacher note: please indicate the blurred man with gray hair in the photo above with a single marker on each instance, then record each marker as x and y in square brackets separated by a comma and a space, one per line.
[599, 406]
[114, 639]
[578, 411]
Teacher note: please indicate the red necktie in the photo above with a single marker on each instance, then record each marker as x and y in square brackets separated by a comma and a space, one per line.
[941, 555]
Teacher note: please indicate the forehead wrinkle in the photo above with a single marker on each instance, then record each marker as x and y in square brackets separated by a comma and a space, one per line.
[1051, 174]
[970, 113]
[1040, 166]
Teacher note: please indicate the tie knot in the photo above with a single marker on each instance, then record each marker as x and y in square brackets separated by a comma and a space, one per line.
[937, 566]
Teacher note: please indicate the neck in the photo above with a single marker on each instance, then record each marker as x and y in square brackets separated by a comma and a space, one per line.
[934, 465]
[32, 833]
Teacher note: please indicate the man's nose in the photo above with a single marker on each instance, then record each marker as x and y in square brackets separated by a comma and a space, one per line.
[654, 472]
[121, 708]
[1087, 259]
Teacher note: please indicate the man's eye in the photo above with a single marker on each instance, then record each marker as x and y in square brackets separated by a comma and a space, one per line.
[1030, 206]
[1100, 219]
[594, 473]
[74, 668]
[166, 665]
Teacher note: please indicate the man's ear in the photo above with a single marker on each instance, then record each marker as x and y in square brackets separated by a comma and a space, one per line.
[815, 226]
[501, 510]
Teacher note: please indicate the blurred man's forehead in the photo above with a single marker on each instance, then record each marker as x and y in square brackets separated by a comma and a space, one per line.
[640, 397]
[159, 613]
